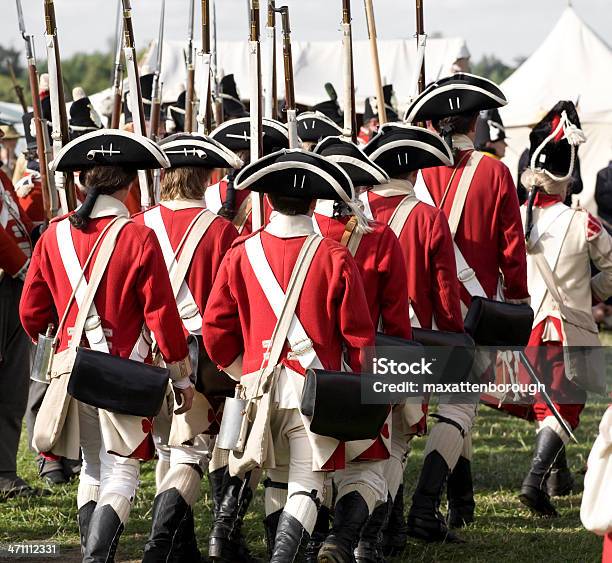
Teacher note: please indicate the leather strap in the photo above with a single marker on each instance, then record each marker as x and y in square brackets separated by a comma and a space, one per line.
[463, 188]
[401, 214]
[350, 238]
[243, 214]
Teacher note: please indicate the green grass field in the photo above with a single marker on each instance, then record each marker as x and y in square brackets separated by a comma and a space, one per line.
[503, 531]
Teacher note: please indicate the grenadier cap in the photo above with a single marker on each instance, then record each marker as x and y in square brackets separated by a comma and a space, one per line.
[489, 128]
[110, 147]
[232, 106]
[458, 94]
[236, 135]
[360, 168]
[176, 112]
[297, 173]
[192, 149]
[312, 126]
[83, 117]
[401, 148]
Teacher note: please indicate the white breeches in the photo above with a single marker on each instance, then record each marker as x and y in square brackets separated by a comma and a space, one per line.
[365, 477]
[400, 447]
[113, 474]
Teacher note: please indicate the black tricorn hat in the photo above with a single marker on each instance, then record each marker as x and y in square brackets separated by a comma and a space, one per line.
[110, 147]
[555, 154]
[404, 148]
[361, 170]
[236, 135]
[192, 149]
[372, 113]
[297, 173]
[312, 126]
[232, 106]
[176, 112]
[455, 95]
[489, 128]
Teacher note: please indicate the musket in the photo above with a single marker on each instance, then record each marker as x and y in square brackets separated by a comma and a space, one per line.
[271, 97]
[49, 194]
[147, 196]
[255, 109]
[189, 59]
[350, 115]
[16, 86]
[63, 183]
[289, 86]
[418, 78]
[118, 73]
[156, 93]
[380, 97]
[216, 100]
[205, 108]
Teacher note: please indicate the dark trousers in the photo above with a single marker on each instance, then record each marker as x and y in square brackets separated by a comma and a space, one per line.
[14, 374]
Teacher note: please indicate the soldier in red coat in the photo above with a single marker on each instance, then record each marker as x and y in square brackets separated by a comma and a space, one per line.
[478, 197]
[15, 253]
[133, 293]
[241, 316]
[194, 241]
[222, 198]
[427, 247]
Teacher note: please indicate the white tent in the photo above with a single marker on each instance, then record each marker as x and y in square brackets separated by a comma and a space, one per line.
[572, 63]
[314, 63]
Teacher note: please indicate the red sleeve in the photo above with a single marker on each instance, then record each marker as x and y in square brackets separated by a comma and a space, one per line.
[355, 325]
[511, 240]
[36, 308]
[221, 328]
[393, 296]
[158, 304]
[444, 282]
[12, 258]
[23, 216]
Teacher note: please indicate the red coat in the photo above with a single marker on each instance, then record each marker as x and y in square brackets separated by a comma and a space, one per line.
[135, 288]
[381, 264]
[238, 318]
[490, 234]
[15, 229]
[209, 253]
[427, 248]
[29, 191]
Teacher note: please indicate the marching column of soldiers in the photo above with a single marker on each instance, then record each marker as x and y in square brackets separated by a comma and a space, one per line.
[189, 332]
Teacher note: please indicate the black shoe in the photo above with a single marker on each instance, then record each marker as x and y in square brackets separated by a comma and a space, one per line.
[318, 536]
[370, 549]
[226, 542]
[52, 471]
[560, 481]
[271, 527]
[460, 492]
[11, 487]
[350, 516]
[395, 533]
[185, 545]
[84, 517]
[533, 491]
[105, 529]
[71, 468]
[169, 510]
[290, 539]
[425, 521]
[218, 480]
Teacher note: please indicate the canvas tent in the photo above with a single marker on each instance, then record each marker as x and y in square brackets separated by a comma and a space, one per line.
[315, 63]
[572, 63]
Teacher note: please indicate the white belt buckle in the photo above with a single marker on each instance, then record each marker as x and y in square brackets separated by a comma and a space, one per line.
[466, 275]
[300, 348]
[92, 323]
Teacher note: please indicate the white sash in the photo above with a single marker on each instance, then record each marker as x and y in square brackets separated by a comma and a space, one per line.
[187, 307]
[558, 220]
[302, 349]
[212, 197]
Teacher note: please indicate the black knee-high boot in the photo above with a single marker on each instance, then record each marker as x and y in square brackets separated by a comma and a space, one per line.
[533, 491]
[291, 538]
[460, 492]
[560, 482]
[370, 549]
[395, 532]
[318, 536]
[105, 529]
[84, 516]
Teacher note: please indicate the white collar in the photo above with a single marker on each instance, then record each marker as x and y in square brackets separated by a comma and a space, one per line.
[462, 142]
[325, 207]
[176, 204]
[288, 226]
[108, 206]
[393, 188]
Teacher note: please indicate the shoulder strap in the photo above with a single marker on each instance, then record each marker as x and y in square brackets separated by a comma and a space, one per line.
[462, 190]
[191, 239]
[401, 214]
[294, 289]
[243, 213]
[350, 238]
[107, 247]
[547, 274]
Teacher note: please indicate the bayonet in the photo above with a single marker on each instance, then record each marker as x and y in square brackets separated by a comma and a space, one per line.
[350, 114]
[189, 60]
[156, 95]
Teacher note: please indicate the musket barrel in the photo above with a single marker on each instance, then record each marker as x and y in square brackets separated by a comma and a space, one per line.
[382, 109]
[190, 88]
[420, 29]
[350, 117]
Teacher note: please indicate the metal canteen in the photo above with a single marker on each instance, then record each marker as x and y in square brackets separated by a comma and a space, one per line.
[41, 366]
[231, 423]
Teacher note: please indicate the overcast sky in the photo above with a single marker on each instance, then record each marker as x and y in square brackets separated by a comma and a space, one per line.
[507, 28]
